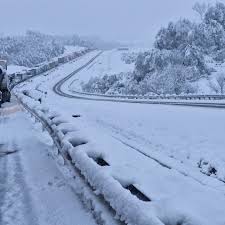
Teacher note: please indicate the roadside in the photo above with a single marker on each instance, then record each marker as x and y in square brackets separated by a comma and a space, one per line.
[115, 132]
[32, 189]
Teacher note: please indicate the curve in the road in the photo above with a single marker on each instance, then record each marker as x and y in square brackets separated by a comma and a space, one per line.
[92, 97]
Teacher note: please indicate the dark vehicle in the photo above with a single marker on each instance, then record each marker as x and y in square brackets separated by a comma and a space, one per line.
[4, 90]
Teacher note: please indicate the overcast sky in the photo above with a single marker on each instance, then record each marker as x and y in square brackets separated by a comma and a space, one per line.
[109, 19]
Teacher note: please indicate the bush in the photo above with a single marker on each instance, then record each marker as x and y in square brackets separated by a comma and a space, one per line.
[100, 85]
[175, 35]
[130, 57]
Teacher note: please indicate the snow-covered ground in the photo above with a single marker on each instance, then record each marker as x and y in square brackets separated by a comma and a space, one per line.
[108, 63]
[160, 149]
[15, 69]
[32, 189]
[71, 49]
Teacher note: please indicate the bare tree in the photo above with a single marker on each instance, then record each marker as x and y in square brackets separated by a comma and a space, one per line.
[219, 85]
[201, 9]
[214, 87]
[220, 79]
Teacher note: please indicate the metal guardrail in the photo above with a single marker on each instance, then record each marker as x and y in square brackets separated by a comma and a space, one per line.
[65, 147]
[182, 100]
[17, 78]
[156, 97]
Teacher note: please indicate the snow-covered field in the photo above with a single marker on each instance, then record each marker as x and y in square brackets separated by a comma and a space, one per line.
[166, 151]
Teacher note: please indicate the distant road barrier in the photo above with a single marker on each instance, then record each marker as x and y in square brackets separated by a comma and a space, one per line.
[20, 77]
[156, 97]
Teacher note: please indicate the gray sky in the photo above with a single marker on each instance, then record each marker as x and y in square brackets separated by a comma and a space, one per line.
[109, 19]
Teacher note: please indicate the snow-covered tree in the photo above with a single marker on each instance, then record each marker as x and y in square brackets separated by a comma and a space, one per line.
[35, 47]
[29, 50]
[216, 13]
[129, 57]
[218, 85]
[175, 35]
[200, 9]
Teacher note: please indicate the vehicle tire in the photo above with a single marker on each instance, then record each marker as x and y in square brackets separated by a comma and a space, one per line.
[6, 96]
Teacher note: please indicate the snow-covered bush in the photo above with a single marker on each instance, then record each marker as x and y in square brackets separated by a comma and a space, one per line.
[156, 61]
[130, 57]
[35, 48]
[216, 13]
[220, 56]
[172, 80]
[175, 35]
[100, 85]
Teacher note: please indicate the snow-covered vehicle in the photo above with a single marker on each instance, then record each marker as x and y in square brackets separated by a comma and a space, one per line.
[4, 90]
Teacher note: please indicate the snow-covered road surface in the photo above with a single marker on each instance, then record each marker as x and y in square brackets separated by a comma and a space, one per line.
[110, 63]
[162, 150]
[32, 189]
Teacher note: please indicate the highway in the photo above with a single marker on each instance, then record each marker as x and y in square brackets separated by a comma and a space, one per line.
[133, 99]
[155, 148]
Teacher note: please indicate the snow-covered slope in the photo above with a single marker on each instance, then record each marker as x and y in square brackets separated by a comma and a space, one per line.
[111, 63]
[108, 63]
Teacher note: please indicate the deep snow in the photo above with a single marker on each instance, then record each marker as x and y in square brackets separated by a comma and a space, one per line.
[32, 189]
[138, 139]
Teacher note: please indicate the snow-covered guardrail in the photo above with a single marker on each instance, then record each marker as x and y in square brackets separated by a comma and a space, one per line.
[78, 149]
[155, 97]
[16, 78]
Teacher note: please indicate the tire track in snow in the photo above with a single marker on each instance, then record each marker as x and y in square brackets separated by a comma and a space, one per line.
[3, 180]
[17, 207]
[29, 211]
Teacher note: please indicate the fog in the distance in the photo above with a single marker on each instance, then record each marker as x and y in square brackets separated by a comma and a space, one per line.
[130, 20]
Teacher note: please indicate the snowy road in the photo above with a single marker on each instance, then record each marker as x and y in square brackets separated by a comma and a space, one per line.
[110, 62]
[32, 189]
[166, 151]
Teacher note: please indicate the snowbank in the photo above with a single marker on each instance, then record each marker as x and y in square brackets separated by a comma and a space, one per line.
[172, 209]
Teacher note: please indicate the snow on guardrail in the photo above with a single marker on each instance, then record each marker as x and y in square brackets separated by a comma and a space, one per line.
[127, 207]
[16, 78]
[155, 97]
[87, 158]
